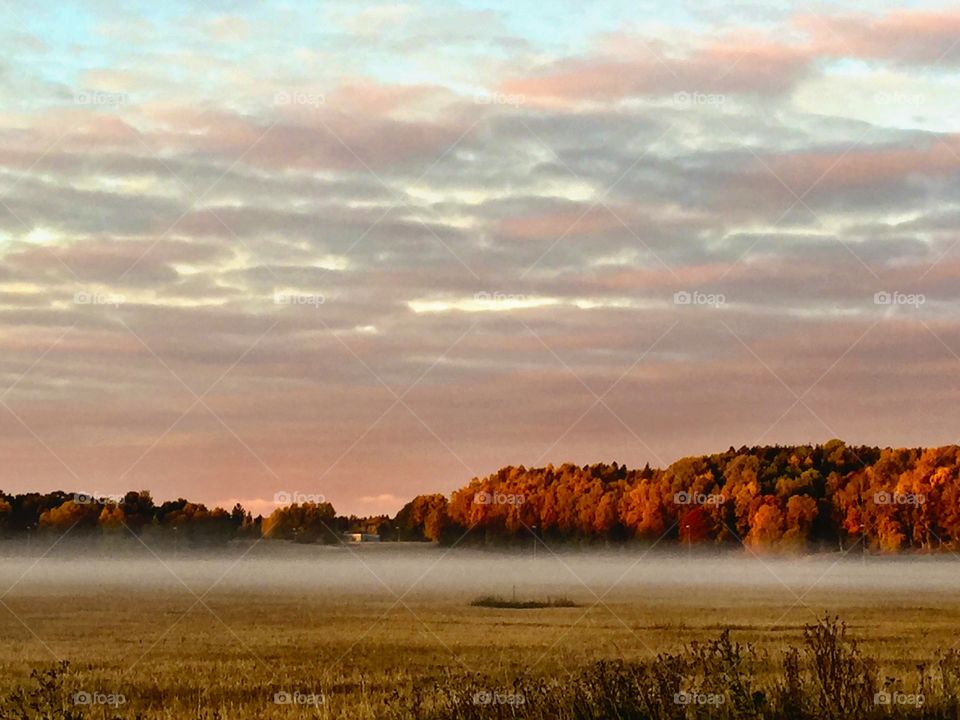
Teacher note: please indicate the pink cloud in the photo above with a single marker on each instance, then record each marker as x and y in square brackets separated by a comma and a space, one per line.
[746, 64]
[367, 96]
[329, 138]
[837, 168]
[743, 62]
[905, 36]
[565, 223]
[356, 125]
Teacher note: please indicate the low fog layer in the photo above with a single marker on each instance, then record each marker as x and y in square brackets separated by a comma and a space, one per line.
[418, 571]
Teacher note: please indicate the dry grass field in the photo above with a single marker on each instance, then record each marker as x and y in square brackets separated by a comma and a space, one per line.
[192, 647]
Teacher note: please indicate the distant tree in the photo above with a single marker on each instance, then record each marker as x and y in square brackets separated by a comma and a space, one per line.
[112, 519]
[742, 487]
[423, 518]
[211, 527]
[802, 511]
[138, 509]
[238, 516]
[5, 510]
[197, 524]
[643, 510]
[387, 531]
[27, 508]
[71, 514]
[766, 525]
[304, 523]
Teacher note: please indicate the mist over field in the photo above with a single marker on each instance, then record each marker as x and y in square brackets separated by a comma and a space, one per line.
[430, 572]
[269, 630]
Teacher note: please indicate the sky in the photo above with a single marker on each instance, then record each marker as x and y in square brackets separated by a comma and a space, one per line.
[365, 251]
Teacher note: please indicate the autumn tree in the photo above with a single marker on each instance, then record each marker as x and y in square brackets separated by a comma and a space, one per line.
[423, 518]
[766, 525]
[111, 519]
[303, 523]
[71, 514]
[802, 511]
[138, 509]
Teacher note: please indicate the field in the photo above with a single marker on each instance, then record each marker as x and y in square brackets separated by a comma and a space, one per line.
[372, 632]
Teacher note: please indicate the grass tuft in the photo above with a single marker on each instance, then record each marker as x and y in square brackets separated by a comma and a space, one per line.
[496, 601]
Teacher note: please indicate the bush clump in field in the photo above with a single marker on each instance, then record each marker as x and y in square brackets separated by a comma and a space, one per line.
[46, 698]
[496, 601]
[844, 681]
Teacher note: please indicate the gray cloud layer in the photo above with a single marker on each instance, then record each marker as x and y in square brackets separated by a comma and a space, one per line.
[496, 265]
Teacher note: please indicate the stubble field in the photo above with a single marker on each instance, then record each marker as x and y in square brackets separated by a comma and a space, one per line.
[376, 633]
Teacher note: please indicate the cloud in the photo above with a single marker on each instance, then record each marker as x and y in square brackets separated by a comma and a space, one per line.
[497, 223]
[910, 37]
[742, 65]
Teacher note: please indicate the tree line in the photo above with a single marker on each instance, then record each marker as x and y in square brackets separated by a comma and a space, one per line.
[802, 497]
[791, 497]
[176, 521]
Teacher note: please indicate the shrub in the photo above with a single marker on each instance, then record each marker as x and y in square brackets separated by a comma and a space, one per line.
[45, 699]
